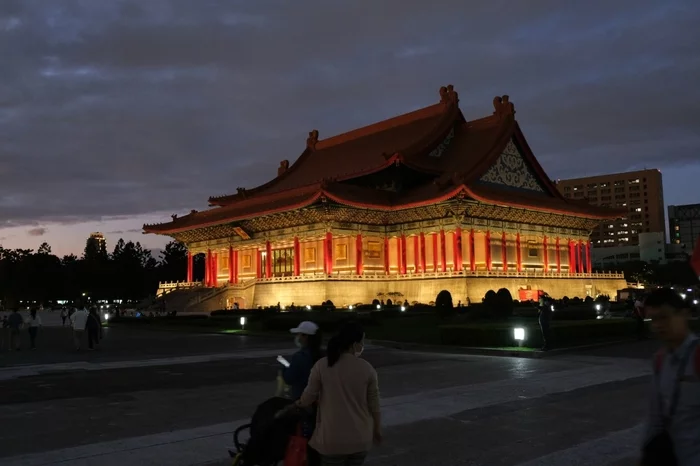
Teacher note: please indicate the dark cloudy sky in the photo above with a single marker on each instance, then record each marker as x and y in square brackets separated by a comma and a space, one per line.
[115, 113]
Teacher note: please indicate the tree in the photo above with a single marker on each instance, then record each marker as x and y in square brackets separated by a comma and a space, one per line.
[173, 261]
[44, 248]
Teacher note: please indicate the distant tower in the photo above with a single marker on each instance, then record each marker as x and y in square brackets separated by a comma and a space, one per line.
[96, 246]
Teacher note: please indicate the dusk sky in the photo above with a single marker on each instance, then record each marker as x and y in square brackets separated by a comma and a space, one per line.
[119, 113]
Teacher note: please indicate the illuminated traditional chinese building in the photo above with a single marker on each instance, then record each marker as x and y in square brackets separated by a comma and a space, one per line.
[415, 204]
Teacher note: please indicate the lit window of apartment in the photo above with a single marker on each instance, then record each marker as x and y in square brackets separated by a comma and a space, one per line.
[635, 181]
[623, 225]
[638, 209]
[634, 232]
[578, 187]
[619, 183]
[609, 241]
[611, 225]
[624, 239]
[592, 186]
[623, 232]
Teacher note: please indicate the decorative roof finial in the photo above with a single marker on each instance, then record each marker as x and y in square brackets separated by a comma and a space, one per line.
[284, 166]
[503, 107]
[174, 217]
[312, 140]
[242, 192]
[448, 95]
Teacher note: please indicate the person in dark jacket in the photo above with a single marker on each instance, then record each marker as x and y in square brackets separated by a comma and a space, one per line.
[93, 327]
[545, 318]
[307, 337]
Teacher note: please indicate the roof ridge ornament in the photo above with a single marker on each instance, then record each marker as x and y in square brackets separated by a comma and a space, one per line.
[448, 95]
[242, 192]
[503, 107]
[312, 140]
[282, 169]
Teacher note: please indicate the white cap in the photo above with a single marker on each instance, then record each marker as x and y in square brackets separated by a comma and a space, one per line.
[305, 328]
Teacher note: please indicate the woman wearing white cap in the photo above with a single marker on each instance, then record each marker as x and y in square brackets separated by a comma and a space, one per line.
[307, 338]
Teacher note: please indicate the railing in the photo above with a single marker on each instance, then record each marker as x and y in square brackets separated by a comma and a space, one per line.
[447, 274]
[178, 285]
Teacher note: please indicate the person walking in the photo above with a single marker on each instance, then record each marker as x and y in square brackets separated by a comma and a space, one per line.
[672, 435]
[79, 322]
[5, 337]
[308, 338]
[64, 316]
[639, 317]
[545, 319]
[92, 325]
[347, 392]
[33, 324]
[15, 323]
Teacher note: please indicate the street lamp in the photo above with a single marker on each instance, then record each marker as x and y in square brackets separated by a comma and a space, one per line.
[519, 335]
[242, 320]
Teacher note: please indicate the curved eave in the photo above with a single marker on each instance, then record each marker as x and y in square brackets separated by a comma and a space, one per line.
[165, 229]
[531, 206]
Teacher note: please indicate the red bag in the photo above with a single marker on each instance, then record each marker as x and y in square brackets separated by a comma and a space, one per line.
[296, 450]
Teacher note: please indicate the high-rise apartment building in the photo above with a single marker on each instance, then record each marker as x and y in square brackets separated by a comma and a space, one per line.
[640, 192]
[684, 224]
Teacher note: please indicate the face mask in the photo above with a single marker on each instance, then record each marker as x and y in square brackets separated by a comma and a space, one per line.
[297, 341]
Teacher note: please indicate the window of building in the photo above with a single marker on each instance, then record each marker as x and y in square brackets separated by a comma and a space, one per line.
[592, 185]
[578, 187]
[567, 189]
[604, 185]
[619, 183]
[605, 191]
[635, 181]
[605, 198]
[619, 197]
[283, 262]
[638, 209]
[578, 194]
[635, 195]
[634, 188]
[620, 190]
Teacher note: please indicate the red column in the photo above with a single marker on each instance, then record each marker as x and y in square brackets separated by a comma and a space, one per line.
[580, 255]
[359, 266]
[422, 252]
[398, 255]
[297, 257]
[189, 267]
[268, 259]
[207, 268]
[435, 251]
[443, 252]
[215, 269]
[235, 266]
[487, 244]
[589, 269]
[329, 252]
[558, 255]
[403, 254]
[518, 254]
[231, 273]
[572, 257]
[416, 255]
[458, 250]
[386, 256]
[472, 260]
[545, 255]
[504, 252]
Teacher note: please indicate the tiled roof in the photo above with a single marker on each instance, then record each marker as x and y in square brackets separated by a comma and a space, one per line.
[473, 147]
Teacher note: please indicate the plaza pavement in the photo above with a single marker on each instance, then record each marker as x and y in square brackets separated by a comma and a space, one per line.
[156, 398]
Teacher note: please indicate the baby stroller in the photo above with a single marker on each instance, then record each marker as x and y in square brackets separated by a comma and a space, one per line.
[267, 435]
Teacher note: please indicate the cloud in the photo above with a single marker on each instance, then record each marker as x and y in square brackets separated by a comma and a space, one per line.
[37, 231]
[117, 109]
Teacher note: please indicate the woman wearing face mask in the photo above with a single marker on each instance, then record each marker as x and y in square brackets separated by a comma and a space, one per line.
[307, 337]
[346, 389]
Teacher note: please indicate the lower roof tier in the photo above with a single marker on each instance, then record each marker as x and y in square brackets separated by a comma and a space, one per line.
[326, 212]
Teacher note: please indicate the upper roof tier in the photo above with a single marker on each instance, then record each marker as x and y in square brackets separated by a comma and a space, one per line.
[444, 155]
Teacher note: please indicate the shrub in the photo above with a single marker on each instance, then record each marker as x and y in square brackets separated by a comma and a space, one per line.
[444, 300]
[375, 302]
[503, 304]
[489, 297]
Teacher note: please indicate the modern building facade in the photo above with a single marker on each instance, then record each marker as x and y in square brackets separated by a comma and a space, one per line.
[409, 206]
[684, 225]
[639, 193]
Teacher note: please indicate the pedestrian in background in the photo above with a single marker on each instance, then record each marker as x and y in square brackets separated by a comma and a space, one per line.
[545, 319]
[673, 430]
[79, 322]
[93, 329]
[5, 337]
[33, 324]
[15, 323]
[64, 316]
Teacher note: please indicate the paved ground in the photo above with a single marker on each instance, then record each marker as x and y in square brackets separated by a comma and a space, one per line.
[149, 397]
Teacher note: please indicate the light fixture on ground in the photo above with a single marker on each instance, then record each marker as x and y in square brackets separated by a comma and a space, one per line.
[242, 320]
[106, 316]
[403, 308]
[379, 306]
[519, 335]
[308, 308]
[597, 307]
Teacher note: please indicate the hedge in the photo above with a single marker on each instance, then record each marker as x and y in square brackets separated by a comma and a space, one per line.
[563, 333]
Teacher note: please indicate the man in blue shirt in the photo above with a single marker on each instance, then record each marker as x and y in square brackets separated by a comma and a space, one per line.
[674, 412]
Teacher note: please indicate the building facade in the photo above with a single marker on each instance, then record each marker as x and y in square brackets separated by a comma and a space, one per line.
[684, 225]
[640, 194]
[412, 205]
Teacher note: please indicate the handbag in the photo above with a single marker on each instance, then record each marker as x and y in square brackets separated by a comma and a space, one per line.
[296, 449]
[659, 450]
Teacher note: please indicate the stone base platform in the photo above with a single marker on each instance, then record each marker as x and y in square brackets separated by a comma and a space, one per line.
[351, 289]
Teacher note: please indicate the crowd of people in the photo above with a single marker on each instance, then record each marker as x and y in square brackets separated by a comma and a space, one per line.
[84, 323]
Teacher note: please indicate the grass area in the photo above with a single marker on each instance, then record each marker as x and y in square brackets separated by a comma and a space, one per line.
[426, 329]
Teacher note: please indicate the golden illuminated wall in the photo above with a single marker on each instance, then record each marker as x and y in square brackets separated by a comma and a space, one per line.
[480, 250]
[246, 263]
[373, 254]
[311, 256]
